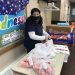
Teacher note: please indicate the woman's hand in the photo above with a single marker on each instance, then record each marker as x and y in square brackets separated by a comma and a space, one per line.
[46, 39]
[49, 37]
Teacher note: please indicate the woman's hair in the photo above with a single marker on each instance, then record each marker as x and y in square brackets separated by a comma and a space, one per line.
[31, 20]
[35, 10]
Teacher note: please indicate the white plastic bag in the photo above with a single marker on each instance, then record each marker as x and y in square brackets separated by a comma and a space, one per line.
[43, 52]
[39, 58]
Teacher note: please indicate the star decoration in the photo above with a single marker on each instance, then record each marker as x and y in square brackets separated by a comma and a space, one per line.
[12, 7]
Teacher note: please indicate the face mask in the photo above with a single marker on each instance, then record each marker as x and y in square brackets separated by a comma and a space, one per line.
[36, 17]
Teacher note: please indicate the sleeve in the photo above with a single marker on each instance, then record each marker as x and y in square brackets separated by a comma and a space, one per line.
[45, 33]
[35, 37]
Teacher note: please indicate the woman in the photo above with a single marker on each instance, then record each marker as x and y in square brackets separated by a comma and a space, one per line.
[34, 32]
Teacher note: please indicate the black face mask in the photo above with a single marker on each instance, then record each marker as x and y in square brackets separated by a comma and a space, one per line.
[36, 17]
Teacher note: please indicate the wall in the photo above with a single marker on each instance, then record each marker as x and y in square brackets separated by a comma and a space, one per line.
[64, 10]
[11, 56]
[32, 4]
[56, 14]
[72, 12]
[46, 14]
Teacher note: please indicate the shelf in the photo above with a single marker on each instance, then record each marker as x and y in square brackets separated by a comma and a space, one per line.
[59, 28]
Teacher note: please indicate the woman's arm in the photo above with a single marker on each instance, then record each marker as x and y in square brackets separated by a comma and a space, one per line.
[36, 37]
[45, 33]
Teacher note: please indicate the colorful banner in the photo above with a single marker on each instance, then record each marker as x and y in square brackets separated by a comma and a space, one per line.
[12, 18]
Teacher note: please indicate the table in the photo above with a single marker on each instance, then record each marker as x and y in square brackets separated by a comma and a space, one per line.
[58, 63]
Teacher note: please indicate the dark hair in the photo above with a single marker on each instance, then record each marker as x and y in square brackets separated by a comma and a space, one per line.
[34, 10]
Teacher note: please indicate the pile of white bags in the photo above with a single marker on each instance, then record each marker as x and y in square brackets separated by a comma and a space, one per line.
[43, 51]
[41, 55]
[39, 58]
